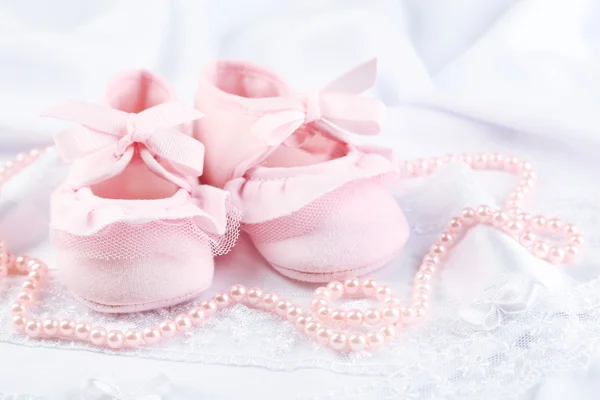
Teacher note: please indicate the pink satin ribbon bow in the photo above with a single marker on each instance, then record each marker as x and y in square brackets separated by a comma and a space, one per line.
[103, 128]
[337, 107]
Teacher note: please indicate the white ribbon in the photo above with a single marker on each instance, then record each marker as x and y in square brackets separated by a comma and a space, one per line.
[508, 300]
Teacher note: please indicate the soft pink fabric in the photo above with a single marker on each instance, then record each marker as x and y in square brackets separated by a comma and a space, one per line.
[133, 228]
[315, 202]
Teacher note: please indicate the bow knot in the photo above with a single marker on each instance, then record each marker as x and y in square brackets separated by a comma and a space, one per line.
[337, 107]
[313, 108]
[102, 127]
[129, 138]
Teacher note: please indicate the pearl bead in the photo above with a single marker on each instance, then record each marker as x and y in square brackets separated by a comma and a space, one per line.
[511, 163]
[524, 166]
[66, 327]
[408, 170]
[390, 315]
[33, 328]
[269, 300]
[237, 293]
[98, 336]
[423, 277]
[209, 307]
[576, 240]
[82, 330]
[183, 322]
[352, 286]
[556, 255]
[336, 289]
[372, 316]
[37, 277]
[25, 296]
[29, 285]
[134, 338]
[382, 292]
[468, 216]
[311, 328]
[538, 223]
[151, 335]
[570, 230]
[323, 336]
[315, 304]
[301, 321]
[455, 225]
[375, 340]
[50, 326]
[432, 259]
[499, 219]
[421, 167]
[293, 313]
[423, 287]
[197, 316]
[428, 268]
[21, 264]
[167, 328]
[115, 339]
[357, 341]
[37, 265]
[484, 214]
[540, 249]
[18, 323]
[322, 292]
[222, 300]
[282, 306]
[388, 332]
[514, 228]
[254, 296]
[438, 250]
[480, 161]
[369, 286]
[324, 313]
[354, 318]
[527, 239]
[555, 225]
[18, 308]
[571, 252]
[447, 239]
[338, 341]
[338, 318]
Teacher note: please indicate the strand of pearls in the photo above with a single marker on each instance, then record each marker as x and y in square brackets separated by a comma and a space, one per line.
[322, 322]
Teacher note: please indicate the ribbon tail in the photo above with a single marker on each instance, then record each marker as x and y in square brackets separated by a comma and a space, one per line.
[275, 128]
[167, 115]
[362, 116]
[357, 80]
[184, 152]
[215, 204]
[80, 141]
[107, 120]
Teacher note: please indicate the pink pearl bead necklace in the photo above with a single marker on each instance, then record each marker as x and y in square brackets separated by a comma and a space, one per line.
[324, 323]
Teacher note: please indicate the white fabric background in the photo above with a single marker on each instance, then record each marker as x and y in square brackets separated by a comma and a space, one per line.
[462, 75]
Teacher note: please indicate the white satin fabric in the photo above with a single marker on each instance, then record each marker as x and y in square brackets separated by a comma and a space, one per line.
[507, 76]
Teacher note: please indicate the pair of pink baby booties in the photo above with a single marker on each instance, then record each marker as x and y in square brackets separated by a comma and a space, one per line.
[157, 188]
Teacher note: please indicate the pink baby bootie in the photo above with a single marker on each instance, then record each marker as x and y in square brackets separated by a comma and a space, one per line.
[132, 227]
[314, 201]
